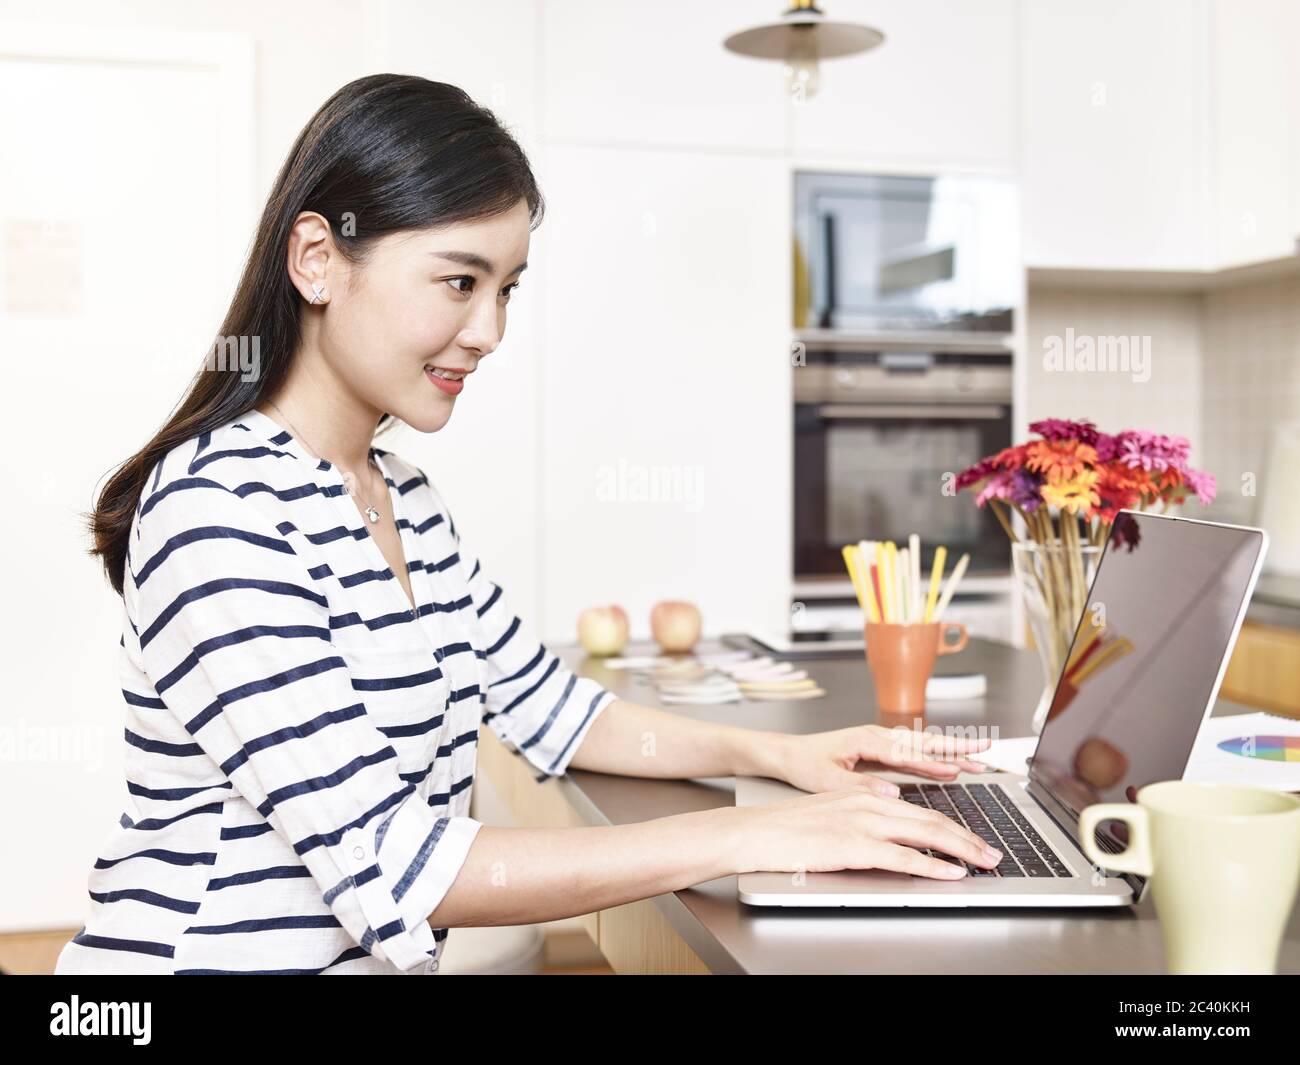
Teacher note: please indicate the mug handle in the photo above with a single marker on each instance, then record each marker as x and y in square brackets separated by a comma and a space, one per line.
[1136, 857]
[963, 638]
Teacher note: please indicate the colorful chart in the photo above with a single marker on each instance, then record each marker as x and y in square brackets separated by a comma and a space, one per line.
[1269, 748]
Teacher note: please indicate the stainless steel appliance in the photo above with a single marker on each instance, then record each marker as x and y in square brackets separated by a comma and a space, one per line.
[880, 435]
[878, 252]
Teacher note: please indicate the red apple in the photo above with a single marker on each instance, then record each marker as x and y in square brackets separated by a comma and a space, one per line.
[675, 625]
[602, 630]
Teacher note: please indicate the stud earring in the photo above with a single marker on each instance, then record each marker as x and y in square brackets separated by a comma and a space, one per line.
[317, 292]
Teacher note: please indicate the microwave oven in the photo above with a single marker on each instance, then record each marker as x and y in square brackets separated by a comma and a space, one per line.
[881, 254]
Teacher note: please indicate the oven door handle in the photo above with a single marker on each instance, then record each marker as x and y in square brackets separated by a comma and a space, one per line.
[894, 411]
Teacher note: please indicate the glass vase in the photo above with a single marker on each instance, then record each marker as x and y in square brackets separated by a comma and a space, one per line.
[1053, 580]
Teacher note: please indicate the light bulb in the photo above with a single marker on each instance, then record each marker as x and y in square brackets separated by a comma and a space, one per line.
[802, 79]
[802, 70]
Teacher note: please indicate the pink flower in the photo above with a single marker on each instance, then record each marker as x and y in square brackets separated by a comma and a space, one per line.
[1203, 484]
[999, 486]
[1140, 449]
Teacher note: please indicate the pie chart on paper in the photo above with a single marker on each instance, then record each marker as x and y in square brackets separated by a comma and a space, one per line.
[1258, 750]
[1267, 748]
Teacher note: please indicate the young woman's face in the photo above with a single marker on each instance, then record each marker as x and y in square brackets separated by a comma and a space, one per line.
[423, 299]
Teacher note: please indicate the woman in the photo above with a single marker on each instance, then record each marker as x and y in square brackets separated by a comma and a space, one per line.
[309, 648]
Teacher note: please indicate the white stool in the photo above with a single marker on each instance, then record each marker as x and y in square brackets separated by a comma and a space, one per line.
[507, 950]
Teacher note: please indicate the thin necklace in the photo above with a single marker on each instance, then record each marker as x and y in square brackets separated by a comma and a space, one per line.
[371, 513]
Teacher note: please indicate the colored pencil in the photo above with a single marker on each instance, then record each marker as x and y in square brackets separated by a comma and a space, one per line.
[914, 553]
[936, 575]
[849, 552]
[958, 572]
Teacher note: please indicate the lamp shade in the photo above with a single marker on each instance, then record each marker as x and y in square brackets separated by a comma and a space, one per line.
[804, 32]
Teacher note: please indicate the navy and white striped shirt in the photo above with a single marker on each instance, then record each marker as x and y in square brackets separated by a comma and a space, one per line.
[301, 744]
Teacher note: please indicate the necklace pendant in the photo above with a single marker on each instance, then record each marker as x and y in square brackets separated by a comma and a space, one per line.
[372, 514]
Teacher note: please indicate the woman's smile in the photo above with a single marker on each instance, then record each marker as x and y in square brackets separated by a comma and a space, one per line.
[449, 381]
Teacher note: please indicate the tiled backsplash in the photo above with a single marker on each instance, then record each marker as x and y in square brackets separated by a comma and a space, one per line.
[1224, 371]
[1251, 339]
[1167, 324]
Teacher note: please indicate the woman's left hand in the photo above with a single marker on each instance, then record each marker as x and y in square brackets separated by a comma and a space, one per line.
[827, 761]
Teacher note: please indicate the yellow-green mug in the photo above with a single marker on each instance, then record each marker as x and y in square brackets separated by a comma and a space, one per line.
[1224, 863]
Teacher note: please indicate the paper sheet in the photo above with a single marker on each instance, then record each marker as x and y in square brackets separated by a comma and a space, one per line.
[1010, 755]
[1210, 763]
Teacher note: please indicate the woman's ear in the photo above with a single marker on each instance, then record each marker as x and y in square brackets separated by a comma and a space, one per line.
[311, 256]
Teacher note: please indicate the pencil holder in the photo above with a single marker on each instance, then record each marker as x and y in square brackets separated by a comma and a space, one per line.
[901, 659]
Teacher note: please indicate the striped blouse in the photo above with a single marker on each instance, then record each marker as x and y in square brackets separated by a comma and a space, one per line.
[300, 743]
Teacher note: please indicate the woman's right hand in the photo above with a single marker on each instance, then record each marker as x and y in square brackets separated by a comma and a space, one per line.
[854, 828]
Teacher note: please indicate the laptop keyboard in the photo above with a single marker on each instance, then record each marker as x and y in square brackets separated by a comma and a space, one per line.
[990, 813]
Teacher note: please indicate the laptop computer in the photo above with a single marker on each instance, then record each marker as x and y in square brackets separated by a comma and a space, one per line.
[1170, 595]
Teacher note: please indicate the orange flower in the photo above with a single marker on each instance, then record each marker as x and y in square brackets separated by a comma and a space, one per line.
[1121, 487]
[1061, 460]
[1075, 495]
[1127, 480]
[1169, 477]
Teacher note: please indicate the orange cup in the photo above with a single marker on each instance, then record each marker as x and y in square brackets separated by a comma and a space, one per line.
[901, 659]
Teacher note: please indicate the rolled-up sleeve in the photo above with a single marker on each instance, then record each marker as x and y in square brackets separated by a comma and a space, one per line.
[236, 638]
[535, 703]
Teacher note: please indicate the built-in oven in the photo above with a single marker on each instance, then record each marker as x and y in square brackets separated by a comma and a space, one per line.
[880, 435]
[905, 295]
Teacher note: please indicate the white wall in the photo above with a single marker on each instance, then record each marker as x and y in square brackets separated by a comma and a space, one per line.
[103, 321]
[487, 460]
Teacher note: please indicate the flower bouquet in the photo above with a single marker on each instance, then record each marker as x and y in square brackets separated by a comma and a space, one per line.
[1068, 490]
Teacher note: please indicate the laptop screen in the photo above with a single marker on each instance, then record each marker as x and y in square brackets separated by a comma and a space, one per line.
[1145, 659]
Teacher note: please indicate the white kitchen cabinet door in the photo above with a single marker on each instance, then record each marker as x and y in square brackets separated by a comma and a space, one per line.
[666, 385]
[1256, 125]
[1116, 142]
[940, 93]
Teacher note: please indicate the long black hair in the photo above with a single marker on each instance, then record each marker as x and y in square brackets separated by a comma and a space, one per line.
[385, 153]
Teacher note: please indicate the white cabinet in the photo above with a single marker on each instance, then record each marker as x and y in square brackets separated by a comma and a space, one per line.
[1114, 104]
[1159, 135]
[940, 93]
[666, 439]
[1255, 126]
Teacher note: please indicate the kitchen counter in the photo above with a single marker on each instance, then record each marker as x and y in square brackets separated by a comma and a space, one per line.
[710, 930]
[1276, 601]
